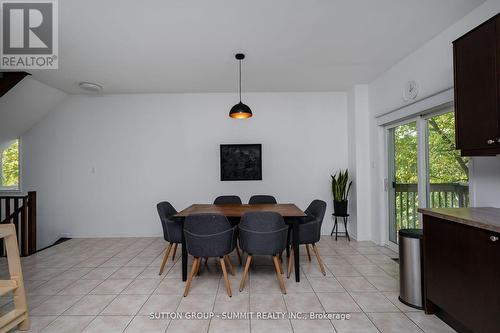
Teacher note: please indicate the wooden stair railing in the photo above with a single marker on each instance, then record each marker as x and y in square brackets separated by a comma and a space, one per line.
[20, 211]
[15, 284]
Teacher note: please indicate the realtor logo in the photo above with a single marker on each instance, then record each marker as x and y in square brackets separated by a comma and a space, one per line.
[29, 34]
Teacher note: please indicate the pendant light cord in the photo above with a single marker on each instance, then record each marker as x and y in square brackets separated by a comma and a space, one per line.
[240, 79]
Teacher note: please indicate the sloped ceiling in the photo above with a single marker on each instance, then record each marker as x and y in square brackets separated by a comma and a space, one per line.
[25, 105]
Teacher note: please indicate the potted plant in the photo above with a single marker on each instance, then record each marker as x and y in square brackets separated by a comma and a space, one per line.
[340, 190]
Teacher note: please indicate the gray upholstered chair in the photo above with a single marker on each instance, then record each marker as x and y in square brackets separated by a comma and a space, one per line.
[310, 232]
[262, 199]
[263, 233]
[227, 199]
[172, 230]
[209, 235]
[233, 200]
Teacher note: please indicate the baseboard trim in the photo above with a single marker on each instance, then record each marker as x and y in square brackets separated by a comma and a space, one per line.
[67, 235]
[57, 242]
[109, 236]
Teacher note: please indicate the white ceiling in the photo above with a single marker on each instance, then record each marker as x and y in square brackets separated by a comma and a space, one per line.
[291, 45]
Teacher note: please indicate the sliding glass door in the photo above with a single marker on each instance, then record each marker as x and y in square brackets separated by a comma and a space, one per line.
[424, 169]
[448, 172]
[403, 178]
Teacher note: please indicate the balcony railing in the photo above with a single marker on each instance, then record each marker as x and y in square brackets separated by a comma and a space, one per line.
[447, 195]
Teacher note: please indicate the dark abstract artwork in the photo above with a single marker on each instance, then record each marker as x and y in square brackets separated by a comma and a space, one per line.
[241, 162]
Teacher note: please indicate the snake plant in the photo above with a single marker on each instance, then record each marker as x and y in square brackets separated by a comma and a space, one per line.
[341, 186]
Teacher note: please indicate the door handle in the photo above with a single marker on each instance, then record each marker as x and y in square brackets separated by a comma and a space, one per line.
[490, 142]
[493, 238]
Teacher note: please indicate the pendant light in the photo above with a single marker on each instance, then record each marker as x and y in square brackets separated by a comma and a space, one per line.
[240, 110]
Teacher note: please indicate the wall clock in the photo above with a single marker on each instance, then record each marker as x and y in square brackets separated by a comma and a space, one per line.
[410, 90]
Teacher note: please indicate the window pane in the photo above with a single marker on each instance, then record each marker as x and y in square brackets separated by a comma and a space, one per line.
[10, 166]
[404, 194]
[448, 171]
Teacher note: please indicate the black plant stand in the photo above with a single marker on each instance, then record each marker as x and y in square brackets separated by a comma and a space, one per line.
[336, 226]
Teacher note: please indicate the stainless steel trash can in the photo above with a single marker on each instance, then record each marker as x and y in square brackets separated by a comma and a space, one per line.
[410, 267]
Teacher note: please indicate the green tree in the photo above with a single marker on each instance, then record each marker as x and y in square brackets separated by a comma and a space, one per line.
[445, 163]
[10, 165]
[405, 153]
[446, 166]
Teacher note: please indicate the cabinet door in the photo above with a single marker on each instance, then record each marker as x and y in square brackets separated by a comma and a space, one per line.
[497, 32]
[476, 88]
[462, 273]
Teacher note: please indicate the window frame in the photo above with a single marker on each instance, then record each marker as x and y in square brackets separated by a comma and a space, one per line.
[421, 119]
[10, 189]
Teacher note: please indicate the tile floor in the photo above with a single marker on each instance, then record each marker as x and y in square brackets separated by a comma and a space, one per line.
[112, 285]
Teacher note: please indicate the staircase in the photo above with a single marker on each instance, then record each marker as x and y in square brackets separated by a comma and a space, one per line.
[20, 210]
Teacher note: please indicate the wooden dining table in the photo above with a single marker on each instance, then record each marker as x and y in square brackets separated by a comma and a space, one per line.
[290, 212]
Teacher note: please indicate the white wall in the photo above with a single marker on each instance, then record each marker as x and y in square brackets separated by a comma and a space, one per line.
[432, 67]
[149, 148]
[485, 181]
[360, 161]
[351, 146]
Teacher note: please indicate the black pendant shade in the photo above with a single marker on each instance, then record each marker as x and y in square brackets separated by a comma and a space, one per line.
[240, 110]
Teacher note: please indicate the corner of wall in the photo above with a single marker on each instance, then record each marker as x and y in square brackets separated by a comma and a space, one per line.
[360, 160]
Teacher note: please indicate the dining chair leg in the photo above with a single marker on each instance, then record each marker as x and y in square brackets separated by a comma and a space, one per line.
[280, 262]
[197, 268]
[165, 258]
[206, 260]
[278, 274]
[191, 275]
[239, 255]
[308, 252]
[175, 250]
[321, 266]
[226, 279]
[245, 272]
[228, 260]
[290, 261]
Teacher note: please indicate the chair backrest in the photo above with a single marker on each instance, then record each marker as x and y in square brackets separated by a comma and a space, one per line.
[317, 209]
[262, 233]
[315, 213]
[262, 199]
[206, 224]
[209, 235]
[227, 199]
[172, 230]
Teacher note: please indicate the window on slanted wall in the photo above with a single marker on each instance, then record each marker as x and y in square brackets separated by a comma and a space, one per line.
[10, 166]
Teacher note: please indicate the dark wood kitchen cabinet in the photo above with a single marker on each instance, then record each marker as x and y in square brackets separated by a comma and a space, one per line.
[462, 267]
[476, 58]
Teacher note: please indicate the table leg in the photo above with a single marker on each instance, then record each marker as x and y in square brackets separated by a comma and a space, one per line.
[296, 254]
[184, 259]
[288, 242]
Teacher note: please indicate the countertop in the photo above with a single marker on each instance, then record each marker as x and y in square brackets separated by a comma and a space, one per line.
[487, 218]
